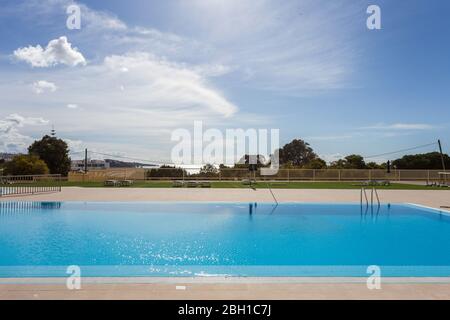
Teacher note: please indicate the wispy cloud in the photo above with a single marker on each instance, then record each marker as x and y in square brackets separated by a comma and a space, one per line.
[402, 126]
[329, 138]
[290, 46]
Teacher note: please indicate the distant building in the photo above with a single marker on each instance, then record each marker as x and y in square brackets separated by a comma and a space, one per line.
[78, 165]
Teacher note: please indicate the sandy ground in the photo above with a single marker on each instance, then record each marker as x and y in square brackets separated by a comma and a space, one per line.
[163, 289]
[431, 198]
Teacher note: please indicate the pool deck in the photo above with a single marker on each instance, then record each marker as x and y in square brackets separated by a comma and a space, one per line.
[231, 288]
[429, 198]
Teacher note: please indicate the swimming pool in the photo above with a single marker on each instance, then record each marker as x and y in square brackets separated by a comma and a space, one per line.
[121, 239]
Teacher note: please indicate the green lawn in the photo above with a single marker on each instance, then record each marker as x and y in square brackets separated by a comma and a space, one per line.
[259, 185]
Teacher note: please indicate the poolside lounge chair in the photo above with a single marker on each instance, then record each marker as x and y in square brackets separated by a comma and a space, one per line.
[177, 184]
[192, 184]
[126, 183]
[432, 184]
[248, 182]
[110, 183]
[205, 184]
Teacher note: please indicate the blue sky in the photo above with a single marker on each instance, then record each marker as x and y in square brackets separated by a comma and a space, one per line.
[144, 68]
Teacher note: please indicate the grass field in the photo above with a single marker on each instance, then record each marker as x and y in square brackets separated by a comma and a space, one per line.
[258, 185]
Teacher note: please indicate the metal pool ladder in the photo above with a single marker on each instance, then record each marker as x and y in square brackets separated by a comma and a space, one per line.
[373, 192]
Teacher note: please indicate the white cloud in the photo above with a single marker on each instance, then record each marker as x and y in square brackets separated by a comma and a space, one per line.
[42, 86]
[72, 106]
[16, 120]
[58, 51]
[11, 140]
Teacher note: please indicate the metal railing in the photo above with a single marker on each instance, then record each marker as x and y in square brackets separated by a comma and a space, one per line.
[373, 192]
[29, 184]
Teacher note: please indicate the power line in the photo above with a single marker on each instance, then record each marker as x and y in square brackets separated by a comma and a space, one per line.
[122, 157]
[162, 162]
[76, 152]
[402, 150]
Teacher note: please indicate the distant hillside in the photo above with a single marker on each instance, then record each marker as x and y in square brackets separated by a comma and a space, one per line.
[124, 164]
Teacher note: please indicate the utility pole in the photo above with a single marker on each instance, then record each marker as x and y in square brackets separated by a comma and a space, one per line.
[442, 155]
[443, 161]
[85, 161]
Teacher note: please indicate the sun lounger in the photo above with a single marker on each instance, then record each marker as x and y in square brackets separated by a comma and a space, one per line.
[177, 184]
[110, 183]
[205, 184]
[192, 184]
[126, 183]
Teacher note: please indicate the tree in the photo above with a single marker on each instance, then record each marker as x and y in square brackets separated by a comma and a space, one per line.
[374, 165]
[208, 170]
[166, 171]
[54, 152]
[338, 164]
[316, 163]
[426, 161]
[298, 152]
[25, 165]
[355, 161]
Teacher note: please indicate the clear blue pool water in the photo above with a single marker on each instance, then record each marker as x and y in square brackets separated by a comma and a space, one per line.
[236, 239]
